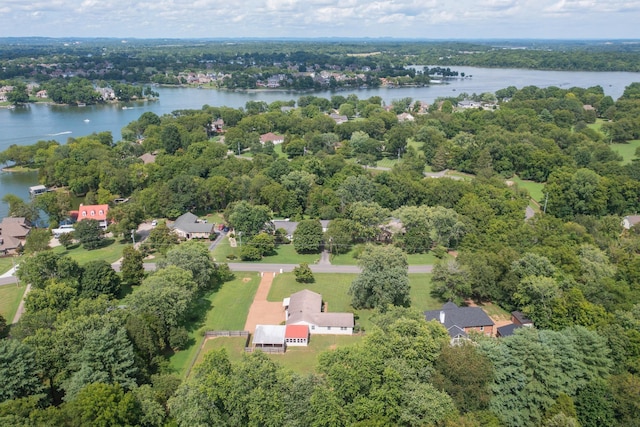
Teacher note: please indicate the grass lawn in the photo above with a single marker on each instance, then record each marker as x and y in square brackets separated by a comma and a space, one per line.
[413, 259]
[233, 345]
[535, 188]
[110, 253]
[224, 309]
[10, 297]
[627, 150]
[495, 311]
[5, 264]
[304, 360]
[286, 254]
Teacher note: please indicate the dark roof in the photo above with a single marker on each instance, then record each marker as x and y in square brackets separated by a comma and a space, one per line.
[521, 318]
[506, 330]
[289, 226]
[187, 224]
[456, 318]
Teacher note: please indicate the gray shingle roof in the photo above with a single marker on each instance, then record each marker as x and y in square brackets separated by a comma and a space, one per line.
[462, 317]
[506, 330]
[187, 223]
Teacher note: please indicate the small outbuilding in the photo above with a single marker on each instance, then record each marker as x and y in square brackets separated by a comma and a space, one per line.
[269, 336]
[297, 335]
[36, 190]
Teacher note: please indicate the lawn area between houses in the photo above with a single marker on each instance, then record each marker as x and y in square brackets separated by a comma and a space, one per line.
[10, 297]
[224, 309]
[286, 254]
[110, 253]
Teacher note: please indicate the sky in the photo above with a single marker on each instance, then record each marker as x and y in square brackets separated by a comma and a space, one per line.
[416, 19]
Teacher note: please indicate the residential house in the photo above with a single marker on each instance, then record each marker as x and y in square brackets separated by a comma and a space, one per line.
[289, 226]
[405, 117]
[13, 234]
[148, 158]
[97, 212]
[188, 226]
[507, 330]
[469, 104]
[338, 118]
[519, 318]
[42, 94]
[305, 308]
[217, 125]
[271, 137]
[459, 321]
[630, 220]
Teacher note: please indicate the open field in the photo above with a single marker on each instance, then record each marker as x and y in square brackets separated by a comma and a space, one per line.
[286, 254]
[10, 297]
[627, 151]
[535, 189]
[233, 345]
[224, 309]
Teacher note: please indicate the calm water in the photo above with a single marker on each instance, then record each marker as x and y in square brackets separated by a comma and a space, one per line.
[27, 125]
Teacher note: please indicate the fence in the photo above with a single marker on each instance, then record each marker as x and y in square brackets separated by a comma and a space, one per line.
[213, 334]
[271, 350]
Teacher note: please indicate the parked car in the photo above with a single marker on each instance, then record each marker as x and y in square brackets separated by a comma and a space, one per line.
[154, 223]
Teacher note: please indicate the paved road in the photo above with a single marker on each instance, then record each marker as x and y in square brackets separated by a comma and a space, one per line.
[316, 268]
[12, 280]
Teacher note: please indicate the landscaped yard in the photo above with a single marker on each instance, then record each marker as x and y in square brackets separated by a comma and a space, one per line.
[286, 254]
[10, 297]
[110, 253]
[303, 360]
[225, 309]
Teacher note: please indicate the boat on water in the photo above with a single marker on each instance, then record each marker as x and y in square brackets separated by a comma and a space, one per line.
[81, 104]
[87, 120]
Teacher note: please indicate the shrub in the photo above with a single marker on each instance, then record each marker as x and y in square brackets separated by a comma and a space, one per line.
[303, 273]
[250, 253]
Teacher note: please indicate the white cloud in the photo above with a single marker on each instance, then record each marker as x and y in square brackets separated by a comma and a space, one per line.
[309, 18]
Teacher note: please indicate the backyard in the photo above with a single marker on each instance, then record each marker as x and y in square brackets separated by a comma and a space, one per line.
[111, 252]
[10, 297]
[224, 309]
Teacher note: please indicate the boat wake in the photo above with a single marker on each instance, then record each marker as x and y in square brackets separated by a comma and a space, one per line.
[59, 133]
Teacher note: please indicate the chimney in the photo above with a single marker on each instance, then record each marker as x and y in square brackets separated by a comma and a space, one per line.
[442, 317]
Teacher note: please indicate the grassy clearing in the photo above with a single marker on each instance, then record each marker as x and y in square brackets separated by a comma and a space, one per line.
[535, 189]
[495, 311]
[627, 150]
[286, 254]
[233, 345]
[224, 309]
[10, 297]
[110, 253]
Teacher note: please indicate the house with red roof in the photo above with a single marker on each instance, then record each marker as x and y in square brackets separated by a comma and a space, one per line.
[97, 212]
[271, 137]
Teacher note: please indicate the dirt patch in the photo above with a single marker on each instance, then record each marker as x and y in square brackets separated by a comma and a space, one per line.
[333, 346]
[263, 312]
[246, 279]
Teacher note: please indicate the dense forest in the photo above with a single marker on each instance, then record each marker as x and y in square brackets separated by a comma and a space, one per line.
[246, 61]
[571, 268]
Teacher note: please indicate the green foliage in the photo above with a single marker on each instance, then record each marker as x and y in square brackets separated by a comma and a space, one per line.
[37, 240]
[246, 218]
[98, 278]
[307, 239]
[194, 257]
[264, 242]
[161, 238]
[89, 233]
[66, 240]
[250, 253]
[384, 278]
[43, 267]
[18, 372]
[132, 268]
[103, 405]
[303, 273]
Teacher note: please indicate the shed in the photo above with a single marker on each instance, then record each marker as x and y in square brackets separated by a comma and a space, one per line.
[269, 336]
[297, 335]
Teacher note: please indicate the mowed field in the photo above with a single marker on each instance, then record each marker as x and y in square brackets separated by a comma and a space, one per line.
[10, 297]
[334, 291]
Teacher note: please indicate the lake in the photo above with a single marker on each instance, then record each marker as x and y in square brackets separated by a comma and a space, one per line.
[26, 125]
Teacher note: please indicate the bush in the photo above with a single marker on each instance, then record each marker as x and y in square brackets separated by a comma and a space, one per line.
[303, 273]
[231, 257]
[224, 273]
[439, 251]
[250, 253]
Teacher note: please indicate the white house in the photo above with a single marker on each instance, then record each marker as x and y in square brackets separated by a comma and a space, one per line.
[630, 220]
[305, 308]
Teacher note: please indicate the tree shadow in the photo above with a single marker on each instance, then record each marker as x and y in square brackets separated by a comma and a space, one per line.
[197, 314]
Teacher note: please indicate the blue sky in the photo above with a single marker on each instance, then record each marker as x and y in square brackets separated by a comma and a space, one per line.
[444, 19]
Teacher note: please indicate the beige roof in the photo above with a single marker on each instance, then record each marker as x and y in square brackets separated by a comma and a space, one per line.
[14, 227]
[8, 243]
[306, 307]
